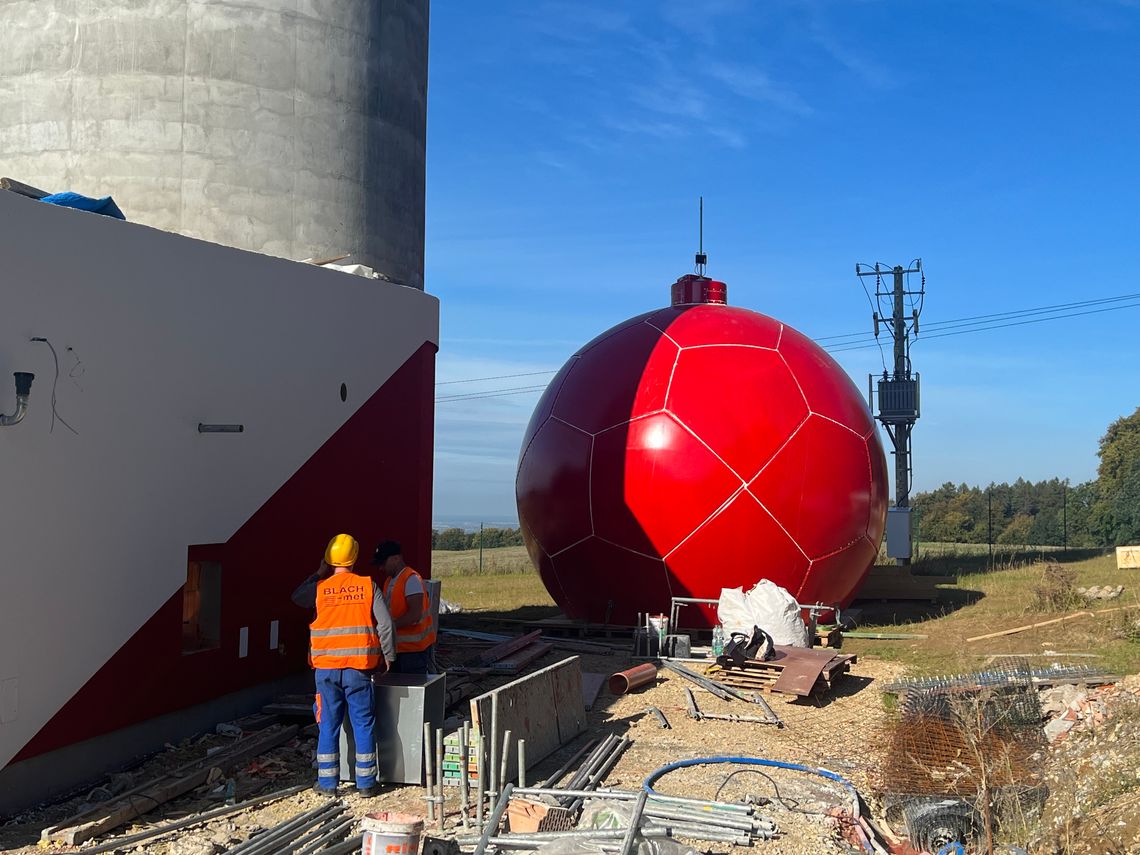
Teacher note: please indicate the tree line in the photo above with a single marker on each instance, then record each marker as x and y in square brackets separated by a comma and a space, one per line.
[456, 539]
[1102, 512]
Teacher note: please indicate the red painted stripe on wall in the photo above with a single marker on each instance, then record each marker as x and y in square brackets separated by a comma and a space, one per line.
[372, 479]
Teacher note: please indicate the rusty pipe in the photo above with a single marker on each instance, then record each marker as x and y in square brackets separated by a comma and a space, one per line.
[633, 678]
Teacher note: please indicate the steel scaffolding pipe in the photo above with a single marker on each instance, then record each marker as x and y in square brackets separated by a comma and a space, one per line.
[569, 764]
[630, 795]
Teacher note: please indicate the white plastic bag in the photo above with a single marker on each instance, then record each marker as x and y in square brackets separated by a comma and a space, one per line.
[767, 606]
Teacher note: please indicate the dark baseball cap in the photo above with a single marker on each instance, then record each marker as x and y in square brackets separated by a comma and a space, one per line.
[386, 550]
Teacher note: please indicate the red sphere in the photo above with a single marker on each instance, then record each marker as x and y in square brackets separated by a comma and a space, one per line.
[695, 448]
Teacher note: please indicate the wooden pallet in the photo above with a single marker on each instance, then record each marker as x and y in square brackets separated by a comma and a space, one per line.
[793, 671]
[828, 636]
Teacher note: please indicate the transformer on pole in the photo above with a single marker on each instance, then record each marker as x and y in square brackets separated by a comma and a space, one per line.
[898, 390]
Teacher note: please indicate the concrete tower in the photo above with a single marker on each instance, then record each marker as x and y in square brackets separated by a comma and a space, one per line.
[288, 127]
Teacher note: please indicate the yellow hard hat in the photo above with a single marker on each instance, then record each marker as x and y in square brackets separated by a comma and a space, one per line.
[342, 551]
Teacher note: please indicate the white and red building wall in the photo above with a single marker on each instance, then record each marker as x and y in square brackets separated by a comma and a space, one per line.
[155, 334]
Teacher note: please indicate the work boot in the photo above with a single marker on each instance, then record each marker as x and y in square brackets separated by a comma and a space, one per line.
[367, 792]
[324, 791]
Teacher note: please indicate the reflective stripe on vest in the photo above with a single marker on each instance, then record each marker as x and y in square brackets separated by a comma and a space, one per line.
[417, 636]
[343, 634]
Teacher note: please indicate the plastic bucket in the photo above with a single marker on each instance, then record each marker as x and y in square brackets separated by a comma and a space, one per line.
[391, 833]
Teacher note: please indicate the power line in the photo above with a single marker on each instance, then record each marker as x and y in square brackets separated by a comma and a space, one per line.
[982, 327]
[943, 329]
[496, 377]
[493, 393]
[1037, 311]
[996, 315]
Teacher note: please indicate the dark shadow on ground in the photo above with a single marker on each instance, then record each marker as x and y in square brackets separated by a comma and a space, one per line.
[903, 612]
[851, 684]
[953, 559]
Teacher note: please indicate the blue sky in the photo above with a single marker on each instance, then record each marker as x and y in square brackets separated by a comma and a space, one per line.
[999, 140]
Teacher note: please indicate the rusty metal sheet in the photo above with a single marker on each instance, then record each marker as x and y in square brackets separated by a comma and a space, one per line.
[801, 668]
[798, 678]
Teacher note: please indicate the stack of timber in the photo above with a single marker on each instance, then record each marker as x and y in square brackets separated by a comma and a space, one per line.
[793, 670]
[157, 791]
[509, 656]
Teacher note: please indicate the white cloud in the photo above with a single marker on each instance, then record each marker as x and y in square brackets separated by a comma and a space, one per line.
[698, 20]
[755, 85]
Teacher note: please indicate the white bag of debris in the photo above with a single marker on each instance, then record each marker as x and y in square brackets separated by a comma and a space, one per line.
[767, 606]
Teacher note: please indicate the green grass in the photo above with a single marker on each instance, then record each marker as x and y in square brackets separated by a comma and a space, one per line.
[506, 584]
[983, 601]
[504, 560]
[986, 601]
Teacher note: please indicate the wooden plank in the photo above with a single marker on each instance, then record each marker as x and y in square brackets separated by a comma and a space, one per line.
[544, 708]
[506, 648]
[160, 790]
[1028, 626]
[22, 188]
[514, 663]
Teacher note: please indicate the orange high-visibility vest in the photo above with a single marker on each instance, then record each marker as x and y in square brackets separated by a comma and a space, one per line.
[344, 634]
[417, 636]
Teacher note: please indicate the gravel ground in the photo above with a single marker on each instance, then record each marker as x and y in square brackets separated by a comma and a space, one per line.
[838, 733]
[1092, 772]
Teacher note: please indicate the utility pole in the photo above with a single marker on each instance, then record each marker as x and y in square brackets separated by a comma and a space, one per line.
[898, 390]
[1065, 515]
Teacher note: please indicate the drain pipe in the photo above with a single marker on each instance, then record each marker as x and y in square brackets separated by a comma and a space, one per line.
[23, 390]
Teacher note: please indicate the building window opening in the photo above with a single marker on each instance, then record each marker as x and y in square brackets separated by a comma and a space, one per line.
[202, 607]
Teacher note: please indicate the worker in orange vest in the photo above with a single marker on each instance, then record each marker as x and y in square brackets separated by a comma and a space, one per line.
[350, 640]
[410, 607]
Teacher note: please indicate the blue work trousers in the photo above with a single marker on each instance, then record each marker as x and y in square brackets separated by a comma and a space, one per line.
[341, 690]
[412, 663]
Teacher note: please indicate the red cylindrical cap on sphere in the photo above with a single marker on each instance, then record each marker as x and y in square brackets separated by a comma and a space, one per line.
[695, 448]
[692, 289]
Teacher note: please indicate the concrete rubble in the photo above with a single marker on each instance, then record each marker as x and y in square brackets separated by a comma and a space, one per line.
[1101, 592]
[1070, 707]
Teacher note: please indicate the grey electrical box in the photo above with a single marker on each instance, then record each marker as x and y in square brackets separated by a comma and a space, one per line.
[403, 703]
[898, 533]
[898, 400]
